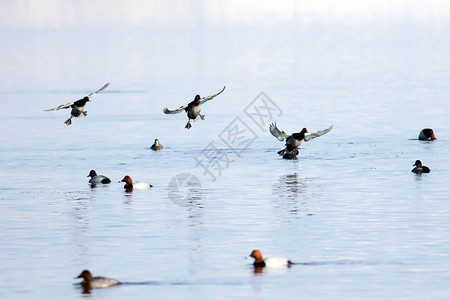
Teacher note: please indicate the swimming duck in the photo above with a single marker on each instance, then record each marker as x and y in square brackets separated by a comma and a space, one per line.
[293, 141]
[97, 282]
[270, 261]
[97, 179]
[193, 108]
[129, 185]
[156, 145]
[427, 134]
[419, 169]
[77, 106]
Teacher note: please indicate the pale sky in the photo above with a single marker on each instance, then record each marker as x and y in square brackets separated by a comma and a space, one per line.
[65, 13]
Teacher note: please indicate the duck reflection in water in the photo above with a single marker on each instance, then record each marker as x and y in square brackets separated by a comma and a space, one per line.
[289, 187]
[258, 270]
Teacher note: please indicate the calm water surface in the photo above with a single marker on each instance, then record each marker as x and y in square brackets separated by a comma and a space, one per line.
[349, 212]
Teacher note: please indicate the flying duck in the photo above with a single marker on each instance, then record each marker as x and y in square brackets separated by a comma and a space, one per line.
[77, 106]
[193, 108]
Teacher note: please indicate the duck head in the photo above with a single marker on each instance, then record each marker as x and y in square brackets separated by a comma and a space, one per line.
[86, 275]
[256, 254]
[418, 163]
[431, 134]
[127, 179]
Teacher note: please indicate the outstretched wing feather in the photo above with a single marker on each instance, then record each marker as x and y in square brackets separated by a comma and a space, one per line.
[64, 106]
[279, 134]
[204, 99]
[98, 91]
[313, 135]
[175, 111]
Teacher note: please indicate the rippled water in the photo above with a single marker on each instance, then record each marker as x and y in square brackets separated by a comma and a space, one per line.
[350, 214]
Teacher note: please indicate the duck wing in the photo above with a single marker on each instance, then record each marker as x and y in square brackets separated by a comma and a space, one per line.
[204, 99]
[313, 135]
[175, 111]
[64, 106]
[280, 135]
[96, 92]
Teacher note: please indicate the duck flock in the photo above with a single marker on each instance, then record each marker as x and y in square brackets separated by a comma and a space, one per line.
[193, 111]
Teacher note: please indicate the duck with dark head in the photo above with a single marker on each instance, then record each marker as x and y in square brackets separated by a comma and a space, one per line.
[294, 140]
[193, 108]
[419, 168]
[156, 145]
[78, 106]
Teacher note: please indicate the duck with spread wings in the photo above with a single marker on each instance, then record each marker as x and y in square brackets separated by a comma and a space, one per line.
[193, 108]
[293, 141]
[77, 106]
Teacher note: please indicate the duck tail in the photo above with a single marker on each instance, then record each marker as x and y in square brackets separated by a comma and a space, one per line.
[188, 125]
[282, 151]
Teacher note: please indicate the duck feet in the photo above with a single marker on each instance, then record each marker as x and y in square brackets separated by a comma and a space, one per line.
[68, 121]
[188, 125]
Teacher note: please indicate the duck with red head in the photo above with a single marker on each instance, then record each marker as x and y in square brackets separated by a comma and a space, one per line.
[270, 261]
[130, 185]
[193, 108]
[419, 168]
[427, 134]
[98, 282]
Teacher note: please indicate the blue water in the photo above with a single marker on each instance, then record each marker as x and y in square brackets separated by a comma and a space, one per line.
[349, 212]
